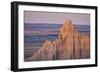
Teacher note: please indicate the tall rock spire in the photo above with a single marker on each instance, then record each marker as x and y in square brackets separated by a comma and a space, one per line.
[67, 29]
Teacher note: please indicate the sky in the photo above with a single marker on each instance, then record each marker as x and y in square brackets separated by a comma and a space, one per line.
[56, 17]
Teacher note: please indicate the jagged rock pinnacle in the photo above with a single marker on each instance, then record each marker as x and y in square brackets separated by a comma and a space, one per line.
[66, 29]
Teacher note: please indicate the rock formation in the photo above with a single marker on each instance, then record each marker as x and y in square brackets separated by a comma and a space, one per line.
[70, 44]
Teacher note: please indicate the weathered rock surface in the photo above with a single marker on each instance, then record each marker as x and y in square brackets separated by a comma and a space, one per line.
[70, 44]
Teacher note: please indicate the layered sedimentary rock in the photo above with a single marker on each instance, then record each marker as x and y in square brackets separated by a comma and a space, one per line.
[70, 44]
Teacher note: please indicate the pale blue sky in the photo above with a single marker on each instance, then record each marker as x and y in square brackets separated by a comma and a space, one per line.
[54, 17]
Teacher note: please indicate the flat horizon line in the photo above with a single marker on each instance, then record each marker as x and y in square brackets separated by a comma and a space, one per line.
[54, 23]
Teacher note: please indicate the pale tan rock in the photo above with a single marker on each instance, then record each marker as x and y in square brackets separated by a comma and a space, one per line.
[47, 51]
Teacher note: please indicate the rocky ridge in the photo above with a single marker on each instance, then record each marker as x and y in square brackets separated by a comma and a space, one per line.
[70, 44]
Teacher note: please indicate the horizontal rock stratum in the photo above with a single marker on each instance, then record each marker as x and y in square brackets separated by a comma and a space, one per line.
[70, 44]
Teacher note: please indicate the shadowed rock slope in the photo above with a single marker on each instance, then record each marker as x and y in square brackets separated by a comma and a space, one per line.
[70, 44]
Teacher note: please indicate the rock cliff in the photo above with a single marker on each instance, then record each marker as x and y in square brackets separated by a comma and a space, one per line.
[70, 44]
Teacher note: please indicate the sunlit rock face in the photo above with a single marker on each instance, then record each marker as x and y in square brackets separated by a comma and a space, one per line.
[70, 44]
[46, 52]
